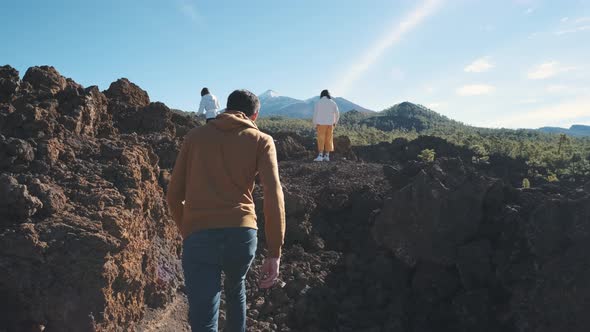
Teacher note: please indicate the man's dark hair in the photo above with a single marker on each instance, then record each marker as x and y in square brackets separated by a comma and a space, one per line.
[243, 101]
[204, 91]
[325, 93]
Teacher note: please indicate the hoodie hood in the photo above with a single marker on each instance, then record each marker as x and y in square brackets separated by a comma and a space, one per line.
[230, 121]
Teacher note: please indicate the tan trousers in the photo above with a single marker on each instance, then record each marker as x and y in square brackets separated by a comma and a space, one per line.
[325, 138]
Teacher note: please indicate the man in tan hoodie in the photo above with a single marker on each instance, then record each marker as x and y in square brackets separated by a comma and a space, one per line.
[214, 176]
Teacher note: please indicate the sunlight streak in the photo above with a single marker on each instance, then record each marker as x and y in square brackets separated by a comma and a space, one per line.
[392, 37]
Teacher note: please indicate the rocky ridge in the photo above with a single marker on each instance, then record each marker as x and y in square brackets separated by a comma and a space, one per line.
[86, 240]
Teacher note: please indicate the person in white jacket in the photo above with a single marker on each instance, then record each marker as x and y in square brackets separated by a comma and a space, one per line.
[325, 118]
[209, 105]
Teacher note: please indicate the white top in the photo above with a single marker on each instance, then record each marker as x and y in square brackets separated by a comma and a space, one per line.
[325, 112]
[209, 106]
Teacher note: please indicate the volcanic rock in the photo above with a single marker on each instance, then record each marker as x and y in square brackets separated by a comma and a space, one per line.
[9, 83]
[85, 239]
[127, 92]
[387, 244]
[45, 79]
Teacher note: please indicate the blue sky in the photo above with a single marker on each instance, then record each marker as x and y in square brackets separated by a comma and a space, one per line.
[500, 63]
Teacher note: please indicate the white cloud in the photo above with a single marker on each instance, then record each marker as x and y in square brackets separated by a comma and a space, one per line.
[397, 74]
[480, 65]
[577, 25]
[560, 114]
[475, 90]
[523, 2]
[392, 37]
[488, 28]
[566, 90]
[547, 70]
[429, 89]
[556, 88]
[529, 11]
[188, 8]
[573, 30]
[529, 101]
[436, 105]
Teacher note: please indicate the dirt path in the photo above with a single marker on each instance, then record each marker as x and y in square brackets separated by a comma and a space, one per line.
[172, 318]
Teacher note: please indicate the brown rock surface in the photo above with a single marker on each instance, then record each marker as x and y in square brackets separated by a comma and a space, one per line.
[128, 93]
[85, 239]
[45, 79]
[9, 83]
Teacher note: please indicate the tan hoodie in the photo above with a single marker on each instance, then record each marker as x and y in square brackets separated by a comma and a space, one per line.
[214, 174]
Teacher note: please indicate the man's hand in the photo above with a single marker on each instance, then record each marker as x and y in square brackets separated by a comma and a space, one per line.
[270, 272]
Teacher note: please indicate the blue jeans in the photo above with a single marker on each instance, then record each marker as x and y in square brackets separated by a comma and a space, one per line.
[205, 254]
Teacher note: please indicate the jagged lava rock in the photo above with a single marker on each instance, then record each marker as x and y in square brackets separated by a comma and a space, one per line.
[388, 243]
[128, 93]
[9, 83]
[45, 79]
[86, 242]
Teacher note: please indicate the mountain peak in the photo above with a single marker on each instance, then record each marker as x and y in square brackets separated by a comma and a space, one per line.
[579, 127]
[273, 104]
[578, 130]
[269, 94]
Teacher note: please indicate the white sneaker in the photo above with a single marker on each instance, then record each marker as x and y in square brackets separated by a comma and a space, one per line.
[319, 158]
[326, 158]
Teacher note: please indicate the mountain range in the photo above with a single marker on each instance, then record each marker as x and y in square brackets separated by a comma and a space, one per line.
[415, 117]
[574, 130]
[403, 116]
[273, 104]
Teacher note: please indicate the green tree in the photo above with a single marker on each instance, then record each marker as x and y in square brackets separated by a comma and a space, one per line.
[552, 177]
[526, 184]
[427, 155]
[563, 140]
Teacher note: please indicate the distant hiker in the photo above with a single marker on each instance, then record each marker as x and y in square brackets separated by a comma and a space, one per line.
[209, 105]
[214, 175]
[325, 118]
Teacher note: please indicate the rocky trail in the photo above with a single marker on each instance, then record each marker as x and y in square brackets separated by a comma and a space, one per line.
[171, 318]
[376, 240]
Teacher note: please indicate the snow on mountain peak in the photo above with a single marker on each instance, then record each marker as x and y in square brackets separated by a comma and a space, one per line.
[269, 94]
